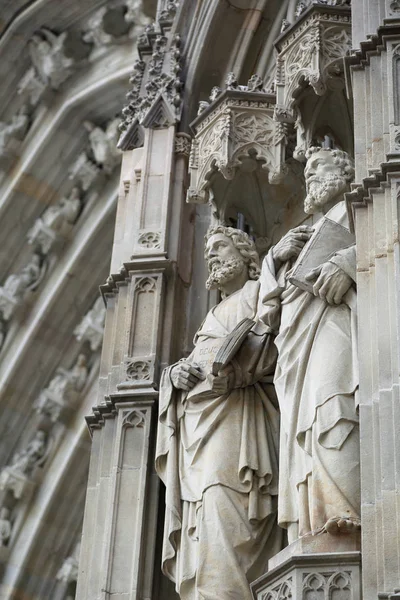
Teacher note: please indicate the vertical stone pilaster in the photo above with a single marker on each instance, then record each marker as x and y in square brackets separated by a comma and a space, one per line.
[120, 518]
[375, 204]
[142, 292]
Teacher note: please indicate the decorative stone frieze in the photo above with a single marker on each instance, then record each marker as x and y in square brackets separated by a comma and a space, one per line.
[91, 328]
[103, 144]
[62, 390]
[155, 96]
[13, 132]
[20, 475]
[55, 223]
[84, 171]
[13, 291]
[236, 125]
[50, 65]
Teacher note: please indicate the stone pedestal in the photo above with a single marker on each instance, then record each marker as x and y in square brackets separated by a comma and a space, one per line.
[313, 568]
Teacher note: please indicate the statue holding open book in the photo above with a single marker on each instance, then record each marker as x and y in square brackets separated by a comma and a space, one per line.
[218, 433]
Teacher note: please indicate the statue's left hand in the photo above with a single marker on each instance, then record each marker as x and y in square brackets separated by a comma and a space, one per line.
[223, 382]
[331, 284]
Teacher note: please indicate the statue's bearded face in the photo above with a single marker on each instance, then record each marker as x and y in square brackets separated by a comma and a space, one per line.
[325, 181]
[223, 259]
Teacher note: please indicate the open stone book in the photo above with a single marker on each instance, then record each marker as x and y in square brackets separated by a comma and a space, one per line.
[214, 354]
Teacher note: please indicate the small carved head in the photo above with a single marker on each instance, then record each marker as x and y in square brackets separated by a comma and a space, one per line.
[228, 252]
[328, 173]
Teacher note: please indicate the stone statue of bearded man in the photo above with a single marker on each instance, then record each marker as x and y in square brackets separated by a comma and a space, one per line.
[217, 453]
[316, 378]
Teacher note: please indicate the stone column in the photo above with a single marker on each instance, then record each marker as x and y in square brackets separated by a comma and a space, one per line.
[143, 320]
[375, 69]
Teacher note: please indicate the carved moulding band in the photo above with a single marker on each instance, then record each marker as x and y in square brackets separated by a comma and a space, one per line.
[360, 195]
[238, 125]
[138, 400]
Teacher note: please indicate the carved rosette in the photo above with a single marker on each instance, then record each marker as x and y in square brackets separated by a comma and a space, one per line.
[311, 52]
[149, 240]
[237, 125]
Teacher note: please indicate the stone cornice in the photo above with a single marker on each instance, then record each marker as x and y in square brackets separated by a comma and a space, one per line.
[359, 58]
[361, 194]
[145, 397]
[153, 263]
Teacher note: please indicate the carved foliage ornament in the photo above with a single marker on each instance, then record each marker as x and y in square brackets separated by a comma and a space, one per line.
[183, 144]
[155, 97]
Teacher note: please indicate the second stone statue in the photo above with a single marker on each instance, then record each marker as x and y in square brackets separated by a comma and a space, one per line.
[218, 453]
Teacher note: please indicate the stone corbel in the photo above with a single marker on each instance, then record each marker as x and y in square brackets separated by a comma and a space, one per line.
[236, 127]
[310, 52]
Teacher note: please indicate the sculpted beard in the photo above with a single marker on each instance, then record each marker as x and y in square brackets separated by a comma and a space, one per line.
[222, 271]
[322, 191]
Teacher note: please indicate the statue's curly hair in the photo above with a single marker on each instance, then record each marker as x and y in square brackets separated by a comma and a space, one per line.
[243, 243]
[342, 159]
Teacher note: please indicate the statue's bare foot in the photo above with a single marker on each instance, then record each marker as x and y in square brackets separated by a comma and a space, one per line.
[340, 525]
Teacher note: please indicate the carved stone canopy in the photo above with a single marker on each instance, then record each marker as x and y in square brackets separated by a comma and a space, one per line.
[238, 159]
[236, 127]
[310, 62]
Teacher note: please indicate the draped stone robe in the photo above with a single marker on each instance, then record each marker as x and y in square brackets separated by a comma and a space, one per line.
[219, 461]
[316, 382]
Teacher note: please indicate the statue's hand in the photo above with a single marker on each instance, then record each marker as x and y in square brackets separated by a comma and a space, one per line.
[184, 376]
[332, 282]
[223, 382]
[291, 244]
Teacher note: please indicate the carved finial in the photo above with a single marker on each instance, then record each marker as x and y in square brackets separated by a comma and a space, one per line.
[231, 81]
[202, 107]
[300, 8]
[255, 84]
[285, 25]
[215, 92]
